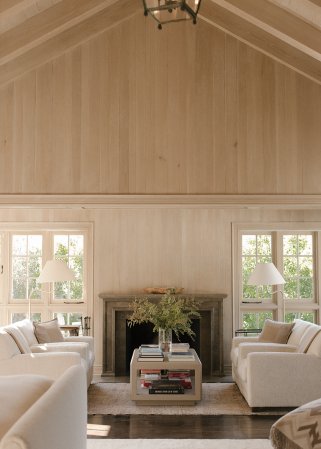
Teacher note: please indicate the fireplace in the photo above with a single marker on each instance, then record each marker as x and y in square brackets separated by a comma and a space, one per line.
[119, 340]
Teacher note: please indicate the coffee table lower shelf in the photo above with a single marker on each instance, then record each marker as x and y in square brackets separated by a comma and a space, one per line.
[141, 395]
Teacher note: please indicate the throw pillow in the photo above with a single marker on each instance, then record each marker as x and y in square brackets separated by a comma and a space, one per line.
[298, 429]
[275, 332]
[48, 331]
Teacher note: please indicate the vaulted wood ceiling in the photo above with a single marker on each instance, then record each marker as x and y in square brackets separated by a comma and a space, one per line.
[35, 31]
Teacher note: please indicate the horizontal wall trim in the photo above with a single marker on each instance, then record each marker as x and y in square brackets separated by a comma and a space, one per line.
[166, 201]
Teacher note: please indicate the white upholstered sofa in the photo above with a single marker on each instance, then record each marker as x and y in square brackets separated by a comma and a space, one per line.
[43, 398]
[23, 333]
[279, 375]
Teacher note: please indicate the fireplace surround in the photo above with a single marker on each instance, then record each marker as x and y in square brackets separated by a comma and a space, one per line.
[119, 340]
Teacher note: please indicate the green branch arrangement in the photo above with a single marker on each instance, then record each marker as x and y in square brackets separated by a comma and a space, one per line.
[170, 312]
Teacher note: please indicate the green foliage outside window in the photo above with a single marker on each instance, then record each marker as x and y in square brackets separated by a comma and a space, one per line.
[255, 249]
[298, 266]
[26, 265]
[297, 271]
[70, 250]
[305, 316]
[255, 320]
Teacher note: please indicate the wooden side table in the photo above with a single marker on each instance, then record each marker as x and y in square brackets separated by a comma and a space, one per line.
[142, 396]
[73, 329]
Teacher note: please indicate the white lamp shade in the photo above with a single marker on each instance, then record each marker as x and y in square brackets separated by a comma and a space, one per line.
[56, 271]
[265, 274]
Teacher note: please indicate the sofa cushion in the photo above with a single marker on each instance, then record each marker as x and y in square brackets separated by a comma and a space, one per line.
[298, 429]
[315, 346]
[298, 330]
[26, 327]
[308, 336]
[8, 347]
[17, 394]
[19, 338]
[48, 332]
[275, 332]
[235, 356]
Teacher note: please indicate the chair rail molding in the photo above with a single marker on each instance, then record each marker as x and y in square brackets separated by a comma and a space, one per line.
[103, 201]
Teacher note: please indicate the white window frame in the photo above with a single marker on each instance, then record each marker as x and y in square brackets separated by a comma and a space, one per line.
[46, 306]
[238, 229]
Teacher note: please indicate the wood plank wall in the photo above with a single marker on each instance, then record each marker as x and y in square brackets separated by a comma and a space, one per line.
[185, 110]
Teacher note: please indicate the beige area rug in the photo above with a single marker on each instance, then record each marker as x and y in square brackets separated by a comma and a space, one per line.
[217, 399]
[178, 444]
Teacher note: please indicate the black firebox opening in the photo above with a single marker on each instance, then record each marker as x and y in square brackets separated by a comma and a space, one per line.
[143, 334]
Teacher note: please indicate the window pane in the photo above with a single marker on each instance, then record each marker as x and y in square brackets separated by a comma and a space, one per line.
[305, 266]
[298, 268]
[255, 249]
[76, 244]
[61, 245]
[305, 245]
[306, 288]
[291, 289]
[249, 244]
[34, 267]
[34, 245]
[290, 245]
[306, 316]
[19, 245]
[68, 318]
[19, 274]
[264, 246]
[70, 249]
[16, 316]
[26, 263]
[290, 267]
[255, 320]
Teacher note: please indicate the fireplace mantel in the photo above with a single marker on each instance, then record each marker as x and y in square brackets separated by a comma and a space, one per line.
[116, 310]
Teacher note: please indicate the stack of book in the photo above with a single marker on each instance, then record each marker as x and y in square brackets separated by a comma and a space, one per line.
[165, 386]
[150, 353]
[183, 377]
[148, 375]
[188, 356]
[179, 348]
[180, 352]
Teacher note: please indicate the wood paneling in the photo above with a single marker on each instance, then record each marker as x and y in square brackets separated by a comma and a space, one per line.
[189, 110]
[269, 40]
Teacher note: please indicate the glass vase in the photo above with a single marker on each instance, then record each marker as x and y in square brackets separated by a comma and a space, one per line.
[164, 339]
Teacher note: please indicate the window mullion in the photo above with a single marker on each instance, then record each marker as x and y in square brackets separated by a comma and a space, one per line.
[317, 274]
[46, 294]
[277, 254]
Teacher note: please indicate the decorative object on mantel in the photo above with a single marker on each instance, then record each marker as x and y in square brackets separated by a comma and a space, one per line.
[171, 313]
[166, 11]
[162, 290]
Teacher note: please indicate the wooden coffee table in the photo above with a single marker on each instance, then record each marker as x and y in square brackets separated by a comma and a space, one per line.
[142, 396]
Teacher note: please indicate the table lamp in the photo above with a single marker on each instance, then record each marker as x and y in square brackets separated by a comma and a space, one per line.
[54, 271]
[267, 274]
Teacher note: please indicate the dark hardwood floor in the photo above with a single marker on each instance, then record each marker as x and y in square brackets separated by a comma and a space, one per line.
[187, 426]
[182, 426]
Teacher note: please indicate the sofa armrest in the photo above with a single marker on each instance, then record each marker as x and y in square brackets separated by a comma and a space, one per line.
[246, 348]
[84, 339]
[236, 341]
[56, 420]
[80, 347]
[50, 365]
